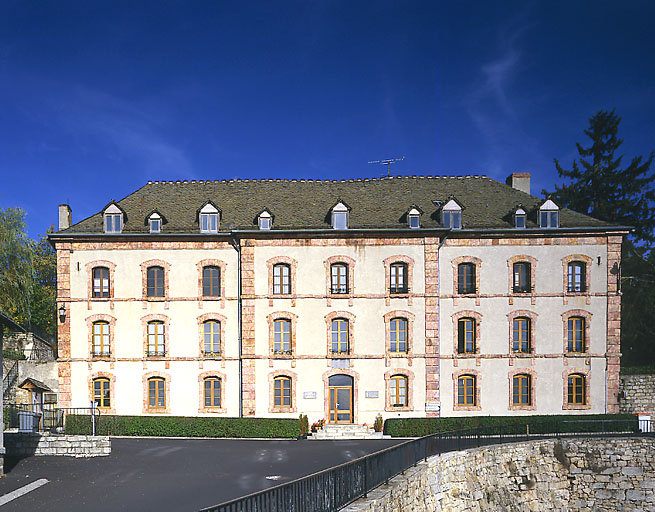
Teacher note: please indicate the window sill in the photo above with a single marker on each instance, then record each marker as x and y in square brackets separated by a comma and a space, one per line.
[282, 409]
[155, 299]
[578, 293]
[212, 356]
[211, 297]
[99, 357]
[404, 293]
[106, 410]
[468, 294]
[339, 355]
[156, 357]
[467, 355]
[282, 355]
[575, 407]
[398, 408]
[576, 354]
[523, 354]
[101, 299]
[522, 407]
[212, 410]
[156, 410]
[467, 408]
[397, 354]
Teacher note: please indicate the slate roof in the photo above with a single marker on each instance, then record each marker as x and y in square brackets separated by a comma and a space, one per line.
[306, 204]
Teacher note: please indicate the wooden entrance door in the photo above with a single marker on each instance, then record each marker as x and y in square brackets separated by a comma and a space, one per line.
[341, 399]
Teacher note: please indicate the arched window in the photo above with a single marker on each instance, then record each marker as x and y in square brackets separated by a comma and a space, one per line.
[212, 337]
[398, 390]
[100, 277]
[576, 334]
[577, 279]
[466, 278]
[101, 339]
[156, 393]
[155, 285]
[102, 392]
[282, 391]
[522, 279]
[577, 394]
[521, 329]
[281, 279]
[340, 336]
[212, 392]
[466, 336]
[398, 335]
[466, 390]
[156, 338]
[211, 281]
[521, 389]
[339, 278]
[282, 336]
[398, 278]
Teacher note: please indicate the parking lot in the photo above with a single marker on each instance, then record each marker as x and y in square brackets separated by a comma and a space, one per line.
[171, 474]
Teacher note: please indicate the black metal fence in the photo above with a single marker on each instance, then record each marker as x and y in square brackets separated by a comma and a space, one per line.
[46, 417]
[334, 488]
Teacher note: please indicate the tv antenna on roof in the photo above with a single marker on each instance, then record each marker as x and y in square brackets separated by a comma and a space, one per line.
[388, 163]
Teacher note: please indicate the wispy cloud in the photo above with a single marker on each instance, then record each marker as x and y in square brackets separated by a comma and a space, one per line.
[124, 130]
[494, 105]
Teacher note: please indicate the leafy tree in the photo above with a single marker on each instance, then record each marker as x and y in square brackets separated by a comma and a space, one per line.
[44, 286]
[601, 186]
[15, 266]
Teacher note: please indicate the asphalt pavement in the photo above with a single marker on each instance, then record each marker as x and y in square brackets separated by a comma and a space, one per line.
[177, 475]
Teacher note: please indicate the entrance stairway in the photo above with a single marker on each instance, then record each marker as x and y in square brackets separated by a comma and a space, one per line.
[339, 432]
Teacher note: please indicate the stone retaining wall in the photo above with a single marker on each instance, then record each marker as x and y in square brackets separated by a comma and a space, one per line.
[24, 444]
[585, 475]
[639, 394]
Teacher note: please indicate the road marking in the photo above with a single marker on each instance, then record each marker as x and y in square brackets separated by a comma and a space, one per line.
[21, 491]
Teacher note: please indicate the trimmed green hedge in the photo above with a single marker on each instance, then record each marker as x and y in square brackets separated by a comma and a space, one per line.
[184, 426]
[418, 427]
[638, 370]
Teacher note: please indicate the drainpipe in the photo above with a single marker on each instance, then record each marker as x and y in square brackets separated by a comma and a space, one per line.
[237, 247]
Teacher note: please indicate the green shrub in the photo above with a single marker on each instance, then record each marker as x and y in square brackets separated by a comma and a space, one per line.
[638, 370]
[184, 426]
[378, 425]
[304, 424]
[544, 424]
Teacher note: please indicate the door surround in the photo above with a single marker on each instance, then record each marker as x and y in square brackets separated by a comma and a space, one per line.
[326, 391]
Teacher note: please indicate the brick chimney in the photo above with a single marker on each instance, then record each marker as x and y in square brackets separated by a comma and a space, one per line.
[65, 216]
[519, 181]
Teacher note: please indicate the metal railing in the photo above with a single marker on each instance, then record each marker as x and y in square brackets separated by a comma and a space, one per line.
[9, 380]
[334, 488]
[50, 417]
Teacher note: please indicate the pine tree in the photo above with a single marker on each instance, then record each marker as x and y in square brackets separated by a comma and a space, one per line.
[600, 187]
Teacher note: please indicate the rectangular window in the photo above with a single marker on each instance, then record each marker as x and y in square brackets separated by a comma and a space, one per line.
[339, 278]
[211, 281]
[281, 280]
[156, 339]
[155, 280]
[101, 339]
[340, 336]
[282, 337]
[113, 222]
[576, 334]
[282, 392]
[451, 219]
[466, 336]
[212, 391]
[101, 393]
[466, 278]
[576, 390]
[156, 393]
[522, 278]
[466, 390]
[340, 220]
[100, 277]
[521, 335]
[209, 222]
[576, 277]
[398, 391]
[155, 225]
[398, 278]
[521, 390]
[414, 221]
[398, 335]
[212, 337]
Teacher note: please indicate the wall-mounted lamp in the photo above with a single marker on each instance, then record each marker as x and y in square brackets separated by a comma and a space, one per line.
[599, 260]
[62, 313]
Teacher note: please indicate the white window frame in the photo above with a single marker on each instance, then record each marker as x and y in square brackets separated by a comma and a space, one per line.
[340, 217]
[265, 221]
[414, 217]
[520, 214]
[155, 223]
[208, 219]
[451, 215]
[549, 212]
[113, 219]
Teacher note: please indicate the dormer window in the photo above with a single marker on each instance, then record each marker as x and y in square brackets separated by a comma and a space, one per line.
[208, 219]
[264, 220]
[549, 215]
[113, 219]
[155, 223]
[414, 218]
[451, 215]
[520, 218]
[340, 216]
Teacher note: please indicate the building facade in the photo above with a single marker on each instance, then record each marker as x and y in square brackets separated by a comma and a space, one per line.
[402, 296]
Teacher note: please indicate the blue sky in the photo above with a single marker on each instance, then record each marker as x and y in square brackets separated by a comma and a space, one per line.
[97, 98]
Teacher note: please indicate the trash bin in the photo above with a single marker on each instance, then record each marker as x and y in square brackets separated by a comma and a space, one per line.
[28, 421]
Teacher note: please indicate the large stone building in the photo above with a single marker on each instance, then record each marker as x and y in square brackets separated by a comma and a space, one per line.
[404, 296]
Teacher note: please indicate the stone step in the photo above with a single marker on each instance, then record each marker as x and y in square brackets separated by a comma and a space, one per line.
[341, 432]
